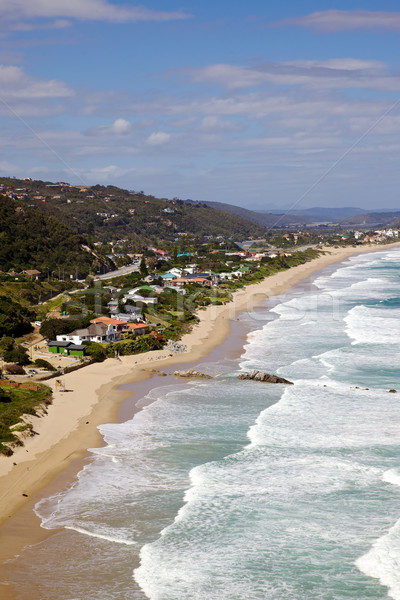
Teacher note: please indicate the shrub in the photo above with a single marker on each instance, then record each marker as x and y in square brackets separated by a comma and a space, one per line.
[14, 369]
[96, 351]
[17, 355]
[44, 364]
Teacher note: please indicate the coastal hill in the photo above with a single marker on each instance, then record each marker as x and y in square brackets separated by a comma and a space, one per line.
[108, 213]
[33, 240]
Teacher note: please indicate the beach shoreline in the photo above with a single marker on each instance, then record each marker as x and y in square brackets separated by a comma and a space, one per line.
[70, 427]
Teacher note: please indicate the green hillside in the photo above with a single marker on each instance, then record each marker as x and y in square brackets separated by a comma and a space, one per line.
[110, 213]
[30, 239]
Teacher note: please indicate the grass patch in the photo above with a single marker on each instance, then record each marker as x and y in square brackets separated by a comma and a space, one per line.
[14, 403]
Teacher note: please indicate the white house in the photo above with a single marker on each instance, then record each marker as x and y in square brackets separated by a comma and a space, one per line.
[172, 273]
[96, 332]
[134, 295]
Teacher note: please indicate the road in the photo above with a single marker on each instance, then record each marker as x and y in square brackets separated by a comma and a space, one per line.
[122, 271]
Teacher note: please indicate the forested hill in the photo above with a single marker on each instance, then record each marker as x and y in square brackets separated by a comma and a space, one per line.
[110, 213]
[31, 240]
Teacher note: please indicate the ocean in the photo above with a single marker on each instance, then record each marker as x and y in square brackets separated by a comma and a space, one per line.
[223, 489]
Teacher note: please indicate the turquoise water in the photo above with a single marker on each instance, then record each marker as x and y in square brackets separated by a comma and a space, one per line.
[226, 489]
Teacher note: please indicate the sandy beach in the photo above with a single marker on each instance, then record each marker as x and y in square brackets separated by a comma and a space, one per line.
[93, 396]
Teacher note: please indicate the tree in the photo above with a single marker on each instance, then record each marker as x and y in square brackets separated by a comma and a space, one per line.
[14, 318]
[51, 328]
[143, 267]
[6, 343]
[17, 355]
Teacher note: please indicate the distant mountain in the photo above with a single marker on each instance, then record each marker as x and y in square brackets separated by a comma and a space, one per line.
[372, 220]
[332, 215]
[321, 214]
[269, 220]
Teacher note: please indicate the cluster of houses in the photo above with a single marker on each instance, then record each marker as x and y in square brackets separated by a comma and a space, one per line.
[101, 329]
[381, 235]
[178, 278]
[31, 274]
[111, 329]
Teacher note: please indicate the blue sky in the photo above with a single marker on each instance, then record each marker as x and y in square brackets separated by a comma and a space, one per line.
[254, 103]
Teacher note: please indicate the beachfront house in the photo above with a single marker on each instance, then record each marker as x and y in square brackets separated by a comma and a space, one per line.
[137, 328]
[204, 281]
[116, 324]
[96, 332]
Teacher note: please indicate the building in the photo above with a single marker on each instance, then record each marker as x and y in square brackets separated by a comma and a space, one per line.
[137, 328]
[66, 348]
[33, 274]
[204, 281]
[135, 296]
[113, 306]
[96, 332]
[115, 324]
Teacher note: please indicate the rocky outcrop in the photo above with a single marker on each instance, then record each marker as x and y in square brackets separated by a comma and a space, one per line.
[393, 391]
[175, 347]
[192, 373]
[265, 377]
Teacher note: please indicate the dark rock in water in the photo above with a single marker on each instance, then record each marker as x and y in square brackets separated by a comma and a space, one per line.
[265, 377]
[192, 373]
[393, 391]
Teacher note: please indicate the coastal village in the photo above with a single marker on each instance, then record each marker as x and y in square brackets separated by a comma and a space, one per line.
[130, 298]
[199, 300]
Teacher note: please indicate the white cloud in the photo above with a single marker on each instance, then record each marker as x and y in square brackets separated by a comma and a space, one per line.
[158, 138]
[86, 10]
[342, 20]
[342, 64]
[215, 124]
[104, 174]
[121, 126]
[14, 83]
[57, 24]
[343, 73]
[118, 127]
[8, 167]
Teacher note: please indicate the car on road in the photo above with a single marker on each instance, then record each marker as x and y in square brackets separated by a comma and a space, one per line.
[32, 371]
